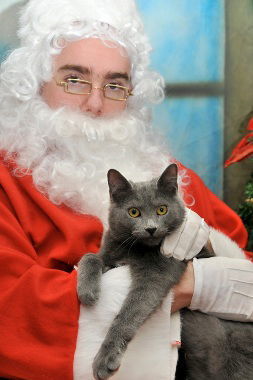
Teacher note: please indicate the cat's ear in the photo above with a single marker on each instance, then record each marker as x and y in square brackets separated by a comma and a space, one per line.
[118, 185]
[168, 181]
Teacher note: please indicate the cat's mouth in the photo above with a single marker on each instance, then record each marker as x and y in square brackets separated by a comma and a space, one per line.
[151, 241]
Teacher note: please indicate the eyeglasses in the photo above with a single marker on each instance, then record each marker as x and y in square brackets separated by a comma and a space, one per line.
[112, 91]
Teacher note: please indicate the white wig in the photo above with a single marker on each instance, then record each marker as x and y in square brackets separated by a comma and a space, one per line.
[45, 28]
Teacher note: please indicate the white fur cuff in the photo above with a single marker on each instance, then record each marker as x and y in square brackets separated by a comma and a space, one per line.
[152, 354]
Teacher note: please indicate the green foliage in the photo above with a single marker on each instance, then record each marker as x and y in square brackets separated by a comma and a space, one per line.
[246, 211]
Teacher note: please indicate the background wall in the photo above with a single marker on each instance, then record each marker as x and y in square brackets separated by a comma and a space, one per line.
[8, 25]
[188, 40]
[190, 51]
[239, 91]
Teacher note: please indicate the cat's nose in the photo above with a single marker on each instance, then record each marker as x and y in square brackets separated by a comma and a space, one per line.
[151, 230]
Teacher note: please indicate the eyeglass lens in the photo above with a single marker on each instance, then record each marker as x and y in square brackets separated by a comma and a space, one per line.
[110, 90]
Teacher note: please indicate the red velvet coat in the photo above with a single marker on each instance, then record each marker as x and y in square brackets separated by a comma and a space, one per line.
[39, 245]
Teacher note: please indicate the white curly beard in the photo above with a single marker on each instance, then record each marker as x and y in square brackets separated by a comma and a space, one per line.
[69, 153]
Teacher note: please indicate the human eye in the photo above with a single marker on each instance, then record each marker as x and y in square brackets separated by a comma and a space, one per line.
[114, 90]
[114, 86]
[77, 85]
[72, 78]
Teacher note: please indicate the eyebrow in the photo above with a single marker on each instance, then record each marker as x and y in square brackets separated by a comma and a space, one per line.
[117, 75]
[85, 70]
[78, 68]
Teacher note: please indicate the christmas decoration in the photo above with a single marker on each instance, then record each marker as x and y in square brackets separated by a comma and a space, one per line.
[244, 149]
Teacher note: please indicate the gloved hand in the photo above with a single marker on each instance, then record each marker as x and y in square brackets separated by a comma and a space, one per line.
[187, 241]
[224, 288]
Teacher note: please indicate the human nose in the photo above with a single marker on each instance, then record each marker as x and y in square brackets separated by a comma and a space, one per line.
[94, 102]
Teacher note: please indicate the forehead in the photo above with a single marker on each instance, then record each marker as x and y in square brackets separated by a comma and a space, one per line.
[146, 194]
[94, 54]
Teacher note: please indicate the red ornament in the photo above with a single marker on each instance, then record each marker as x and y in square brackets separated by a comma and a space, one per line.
[250, 125]
[243, 149]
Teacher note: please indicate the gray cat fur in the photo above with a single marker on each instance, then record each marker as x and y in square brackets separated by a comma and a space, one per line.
[216, 349]
[136, 242]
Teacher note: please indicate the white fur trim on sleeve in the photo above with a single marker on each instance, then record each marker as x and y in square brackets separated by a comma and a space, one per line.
[150, 355]
[223, 246]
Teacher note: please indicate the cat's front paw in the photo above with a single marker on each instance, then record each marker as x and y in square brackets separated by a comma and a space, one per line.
[89, 278]
[105, 364]
[88, 297]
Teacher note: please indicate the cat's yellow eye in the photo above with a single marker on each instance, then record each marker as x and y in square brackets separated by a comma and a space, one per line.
[162, 210]
[134, 212]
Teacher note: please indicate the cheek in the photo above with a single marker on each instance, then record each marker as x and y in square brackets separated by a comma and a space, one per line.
[114, 107]
[49, 94]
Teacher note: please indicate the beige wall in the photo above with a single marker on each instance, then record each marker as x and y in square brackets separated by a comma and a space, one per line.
[239, 91]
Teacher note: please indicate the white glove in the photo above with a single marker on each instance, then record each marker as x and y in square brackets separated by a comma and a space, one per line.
[187, 241]
[224, 288]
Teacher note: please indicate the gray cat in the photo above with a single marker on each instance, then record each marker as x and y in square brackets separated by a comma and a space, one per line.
[141, 215]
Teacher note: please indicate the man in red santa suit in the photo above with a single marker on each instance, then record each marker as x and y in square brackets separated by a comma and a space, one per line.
[74, 102]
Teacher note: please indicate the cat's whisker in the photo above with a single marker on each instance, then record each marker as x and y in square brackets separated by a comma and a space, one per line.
[124, 243]
[129, 240]
[134, 241]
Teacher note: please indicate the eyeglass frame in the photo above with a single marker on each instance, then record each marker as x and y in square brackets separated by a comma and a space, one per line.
[64, 84]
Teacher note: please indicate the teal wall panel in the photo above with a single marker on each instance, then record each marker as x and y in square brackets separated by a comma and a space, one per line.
[188, 47]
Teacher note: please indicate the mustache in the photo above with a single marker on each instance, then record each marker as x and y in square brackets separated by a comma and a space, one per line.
[67, 123]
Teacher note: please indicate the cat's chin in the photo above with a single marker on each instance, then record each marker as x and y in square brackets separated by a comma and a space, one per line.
[152, 242]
